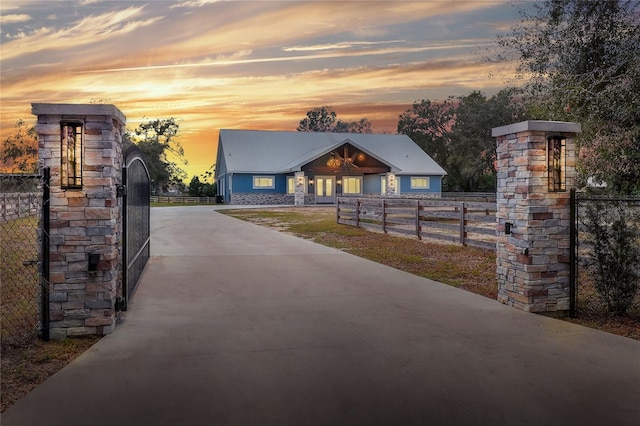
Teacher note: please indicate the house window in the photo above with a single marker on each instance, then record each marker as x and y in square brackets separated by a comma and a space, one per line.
[352, 185]
[264, 182]
[71, 155]
[291, 185]
[419, 183]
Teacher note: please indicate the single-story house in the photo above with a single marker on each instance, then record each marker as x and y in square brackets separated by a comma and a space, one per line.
[267, 167]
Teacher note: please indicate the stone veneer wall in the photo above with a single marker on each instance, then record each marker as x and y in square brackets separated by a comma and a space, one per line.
[83, 221]
[268, 199]
[532, 264]
[408, 196]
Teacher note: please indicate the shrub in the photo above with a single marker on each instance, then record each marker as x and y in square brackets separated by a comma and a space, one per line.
[614, 237]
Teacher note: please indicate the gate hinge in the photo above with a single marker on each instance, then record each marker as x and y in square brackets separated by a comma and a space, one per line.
[120, 304]
[121, 191]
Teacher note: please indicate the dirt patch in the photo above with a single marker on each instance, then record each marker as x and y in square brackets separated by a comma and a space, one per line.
[25, 367]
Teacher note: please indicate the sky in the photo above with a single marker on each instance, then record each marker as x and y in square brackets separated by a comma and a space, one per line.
[257, 65]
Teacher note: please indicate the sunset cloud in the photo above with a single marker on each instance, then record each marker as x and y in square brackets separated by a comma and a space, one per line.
[244, 64]
[12, 19]
[88, 30]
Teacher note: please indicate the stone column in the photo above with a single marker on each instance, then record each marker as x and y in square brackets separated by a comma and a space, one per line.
[298, 199]
[86, 222]
[533, 218]
[390, 184]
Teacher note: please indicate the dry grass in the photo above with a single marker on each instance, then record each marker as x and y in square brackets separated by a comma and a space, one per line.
[469, 268]
[23, 368]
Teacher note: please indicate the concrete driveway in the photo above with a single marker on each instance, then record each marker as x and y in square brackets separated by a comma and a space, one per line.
[235, 324]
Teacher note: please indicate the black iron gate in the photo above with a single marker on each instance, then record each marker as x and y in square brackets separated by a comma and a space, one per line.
[582, 257]
[136, 223]
[24, 258]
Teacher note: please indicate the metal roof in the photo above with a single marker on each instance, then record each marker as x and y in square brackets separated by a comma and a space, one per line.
[259, 151]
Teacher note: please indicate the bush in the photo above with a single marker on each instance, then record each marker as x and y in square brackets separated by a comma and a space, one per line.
[614, 236]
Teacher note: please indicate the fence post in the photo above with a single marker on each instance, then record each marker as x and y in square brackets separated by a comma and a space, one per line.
[357, 213]
[44, 308]
[4, 207]
[573, 267]
[418, 219]
[384, 215]
[462, 223]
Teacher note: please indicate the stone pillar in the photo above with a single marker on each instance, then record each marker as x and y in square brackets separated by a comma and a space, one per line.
[298, 199]
[86, 222]
[533, 217]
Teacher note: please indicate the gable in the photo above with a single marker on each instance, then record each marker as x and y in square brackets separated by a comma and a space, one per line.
[346, 159]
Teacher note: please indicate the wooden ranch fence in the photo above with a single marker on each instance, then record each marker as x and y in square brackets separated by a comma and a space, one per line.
[467, 223]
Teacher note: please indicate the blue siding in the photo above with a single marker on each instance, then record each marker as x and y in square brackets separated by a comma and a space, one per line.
[435, 185]
[243, 184]
[372, 184]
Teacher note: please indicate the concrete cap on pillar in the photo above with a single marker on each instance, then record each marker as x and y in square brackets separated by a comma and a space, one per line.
[537, 125]
[77, 109]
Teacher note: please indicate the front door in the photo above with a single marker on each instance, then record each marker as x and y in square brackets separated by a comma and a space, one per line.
[325, 189]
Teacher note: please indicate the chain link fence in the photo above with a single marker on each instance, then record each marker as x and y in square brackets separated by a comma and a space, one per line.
[20, 260]
[608, 238]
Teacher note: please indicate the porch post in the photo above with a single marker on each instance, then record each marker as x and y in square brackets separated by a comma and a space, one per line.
[298, 198]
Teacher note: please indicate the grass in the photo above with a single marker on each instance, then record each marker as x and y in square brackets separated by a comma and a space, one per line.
[26, 361]
[25, 367]
[468, 268]
[19, 279]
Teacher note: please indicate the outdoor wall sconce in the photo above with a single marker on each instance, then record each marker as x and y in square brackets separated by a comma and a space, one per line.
[507, 228]
[556, 163]
[71, 155]
[94, 259]
[310, 181]
[339, 182]
[300, 180]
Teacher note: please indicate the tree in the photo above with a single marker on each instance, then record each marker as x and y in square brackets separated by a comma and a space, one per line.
[324, 119]
[157, 140]
[195, 187]
[19, 152]
[471, 165]
[615, 265]
[429, 125]
[209, 186]
[581, 60]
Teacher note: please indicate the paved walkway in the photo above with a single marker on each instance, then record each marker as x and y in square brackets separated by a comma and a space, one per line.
[235, 324]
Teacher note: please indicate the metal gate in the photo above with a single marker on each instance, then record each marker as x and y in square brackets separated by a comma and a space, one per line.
[582, 258]
[24, 258]
[135, 223]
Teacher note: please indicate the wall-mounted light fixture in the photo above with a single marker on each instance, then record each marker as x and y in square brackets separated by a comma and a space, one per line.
[556, 163]
[507, 228]
[94, 260]
[71, 155]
